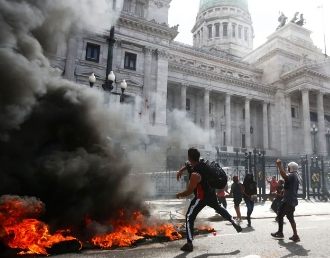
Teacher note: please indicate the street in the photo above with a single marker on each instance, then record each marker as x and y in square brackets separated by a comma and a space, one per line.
[253, 243]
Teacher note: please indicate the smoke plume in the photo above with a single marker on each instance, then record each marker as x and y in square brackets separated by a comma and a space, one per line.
[57, 142]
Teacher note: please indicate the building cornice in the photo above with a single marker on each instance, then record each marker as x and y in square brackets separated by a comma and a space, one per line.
[209, 75]
[226, 58]
[142, 25]
[303, 71]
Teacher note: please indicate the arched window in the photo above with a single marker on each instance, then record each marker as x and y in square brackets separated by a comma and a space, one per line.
[225, 29]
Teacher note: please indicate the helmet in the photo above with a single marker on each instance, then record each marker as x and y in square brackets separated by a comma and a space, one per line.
[293, 166]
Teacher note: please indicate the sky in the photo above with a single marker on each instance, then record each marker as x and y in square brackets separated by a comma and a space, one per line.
[264, 15]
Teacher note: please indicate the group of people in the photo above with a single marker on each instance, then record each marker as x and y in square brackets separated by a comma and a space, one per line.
[204, 195]
[239, 192]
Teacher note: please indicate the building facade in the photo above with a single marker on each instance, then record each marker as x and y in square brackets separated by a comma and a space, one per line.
[267, 98]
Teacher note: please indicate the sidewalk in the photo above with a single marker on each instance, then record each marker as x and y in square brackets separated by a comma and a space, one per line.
[173, 209]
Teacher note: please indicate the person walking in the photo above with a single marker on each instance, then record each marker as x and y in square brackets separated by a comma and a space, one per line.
[204, 195]
[250, 190]
[289, 201]
[236, 192]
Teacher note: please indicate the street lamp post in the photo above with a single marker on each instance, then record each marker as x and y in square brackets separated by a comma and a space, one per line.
[111, 78]
[92, 80]
[246, 156]
[123, 86]
[328, 140]
[314, 131]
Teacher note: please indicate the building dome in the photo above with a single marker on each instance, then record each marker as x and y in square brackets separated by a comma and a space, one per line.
[206, 4]
[224, 25]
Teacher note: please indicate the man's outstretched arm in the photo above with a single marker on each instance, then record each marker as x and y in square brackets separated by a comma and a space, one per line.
[180, 172]
[194, 180]
[281, 169]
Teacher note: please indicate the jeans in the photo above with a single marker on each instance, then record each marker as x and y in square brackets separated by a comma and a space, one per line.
[249, 205]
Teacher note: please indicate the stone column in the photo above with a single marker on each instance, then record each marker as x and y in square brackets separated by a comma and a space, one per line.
[247, 123]
[206, 109]
[161, 88]
[70, 62]
[147, 83]
[228, 120]
[183, 97]
[322, 146]
[265, 124]
[289, 124]
[272, 123]
[306, 122]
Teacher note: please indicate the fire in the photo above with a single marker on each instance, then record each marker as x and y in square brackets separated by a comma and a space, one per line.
[206, 228]
[20, 228]
[129, 230]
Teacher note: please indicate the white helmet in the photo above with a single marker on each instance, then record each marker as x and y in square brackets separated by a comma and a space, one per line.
[293, 166]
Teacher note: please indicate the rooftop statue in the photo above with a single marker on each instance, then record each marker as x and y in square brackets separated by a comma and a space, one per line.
[301, 21]
[295, 18]
[282, 20]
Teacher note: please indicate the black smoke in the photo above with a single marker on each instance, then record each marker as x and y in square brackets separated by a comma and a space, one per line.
[53, 133]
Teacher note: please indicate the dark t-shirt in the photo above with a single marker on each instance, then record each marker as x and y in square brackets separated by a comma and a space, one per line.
[236, 191]
[291, 186]
[250, 187]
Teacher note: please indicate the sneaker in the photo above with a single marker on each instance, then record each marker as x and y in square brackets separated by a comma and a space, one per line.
[237, 227]
[249, 225]
[277, 235]
[295, 238]
[188, 247]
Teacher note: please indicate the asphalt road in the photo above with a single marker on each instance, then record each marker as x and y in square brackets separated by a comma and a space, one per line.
[251, 243]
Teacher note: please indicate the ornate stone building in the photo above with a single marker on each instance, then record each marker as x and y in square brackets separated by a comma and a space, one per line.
[268, 98]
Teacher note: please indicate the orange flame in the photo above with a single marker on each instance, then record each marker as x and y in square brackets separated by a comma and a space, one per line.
[21, 231]
[127, 231]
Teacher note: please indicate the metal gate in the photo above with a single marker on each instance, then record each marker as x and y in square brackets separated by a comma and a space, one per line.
[315, 178]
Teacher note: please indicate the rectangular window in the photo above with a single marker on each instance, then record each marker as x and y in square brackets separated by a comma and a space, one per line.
[225, 29]
[210, 108]
[139, 9]
[243, 113]
[188, 104]
[114, 4]
[293, 112]
[209, 27]
[233, 27]
[246, 34]
[240, 31]
[224, 139]
[217, 29]
[92, 52]
[243, 141]
[224, 110]
[313, 116]
[327, 118]
[130, 61]
[127, 6]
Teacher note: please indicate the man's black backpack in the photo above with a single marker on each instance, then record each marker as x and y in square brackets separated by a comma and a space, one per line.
[215, 176]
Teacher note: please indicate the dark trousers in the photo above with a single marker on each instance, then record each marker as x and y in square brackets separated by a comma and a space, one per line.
[223, 201]
[249, 205]
[287, 210]
[196, 205]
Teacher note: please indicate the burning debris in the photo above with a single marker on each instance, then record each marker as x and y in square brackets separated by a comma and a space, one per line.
[20, 229]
